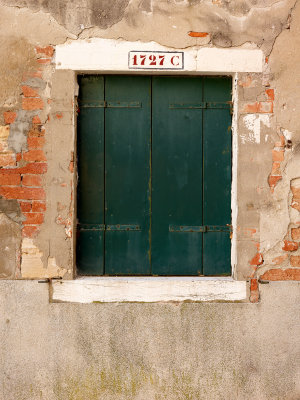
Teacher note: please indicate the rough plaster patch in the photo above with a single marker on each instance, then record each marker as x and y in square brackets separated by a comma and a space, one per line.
[287, 134]
[32, 265]
[11, 209]
[253, 124]
[18, 131]
[274, 220]
[10, 239]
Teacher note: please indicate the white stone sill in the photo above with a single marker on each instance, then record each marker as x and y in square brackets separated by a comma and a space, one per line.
[148, 289]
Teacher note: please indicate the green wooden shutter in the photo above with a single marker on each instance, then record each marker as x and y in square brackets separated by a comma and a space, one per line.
[127, 174]
[176, 175]
[217, 176]
[169, 220]
[90, 191]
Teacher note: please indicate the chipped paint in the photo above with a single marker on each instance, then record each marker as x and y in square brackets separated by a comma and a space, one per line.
[32, 266]
[253, 123]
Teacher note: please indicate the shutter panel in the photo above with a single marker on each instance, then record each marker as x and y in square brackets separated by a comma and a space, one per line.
[127, 174]
[90, 191]
[217, 176]
[176, 175]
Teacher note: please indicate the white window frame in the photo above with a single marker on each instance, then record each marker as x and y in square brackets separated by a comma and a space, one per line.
[111, 56]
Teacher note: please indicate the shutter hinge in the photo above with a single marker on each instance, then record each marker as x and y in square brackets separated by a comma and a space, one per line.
[102, 227]
[200, 228]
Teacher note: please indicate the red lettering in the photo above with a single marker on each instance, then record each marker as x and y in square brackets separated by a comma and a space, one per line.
[152, 59]
[143, 57]
[162, 59]
[173, 61]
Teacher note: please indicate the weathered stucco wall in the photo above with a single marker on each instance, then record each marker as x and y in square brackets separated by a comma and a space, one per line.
[179, 351]
[120, 351]
[37, 122]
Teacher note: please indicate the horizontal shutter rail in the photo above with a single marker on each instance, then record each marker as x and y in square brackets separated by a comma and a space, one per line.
[123, 104]
[123, 227]
[110, 104]
[219, 105]
[200, 228]
[188, 106]
[93, 104]
[203, 105]
[102, 227]
[91, 227]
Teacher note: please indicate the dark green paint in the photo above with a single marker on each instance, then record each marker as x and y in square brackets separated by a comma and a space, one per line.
[165, 175]
[127, 174]
[216, 177]
[176, 176]
[203, 228]
[90, 192]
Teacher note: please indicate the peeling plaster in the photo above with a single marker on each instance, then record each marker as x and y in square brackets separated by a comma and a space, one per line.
[253, 123]
[32, 265]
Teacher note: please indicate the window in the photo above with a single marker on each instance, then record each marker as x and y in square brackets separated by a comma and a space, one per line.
[154, 175]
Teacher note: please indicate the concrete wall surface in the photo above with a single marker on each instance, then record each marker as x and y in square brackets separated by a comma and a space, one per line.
[118, 351]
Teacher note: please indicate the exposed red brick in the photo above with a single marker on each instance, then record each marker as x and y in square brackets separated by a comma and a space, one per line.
[265, 107]
[279, 260]
[258, 107]
[48, 50]
[295, 261]
[33, 218]
[289, 274]
[13, 179]
[36, 120]
[197, 34]
[281, 143]
[295, 232]
[59, 115]
[254, 293]
[273, 180]
[32, 103]
[30, 231]
[18, 156]
[246, 81]
[253, 284]
[276, 168]
[257, 259]
[17, 192]
[9, 117]
[290, 246]
[33, 74]
[25, 206]
[35, 142]
[270, 94]
[29, 91]
[44, 60]
[30, 168]
[296, 197]
[32, 180]
[38, 206]
[7, 160]
[36, 131]
[278, 155]
[34, 155]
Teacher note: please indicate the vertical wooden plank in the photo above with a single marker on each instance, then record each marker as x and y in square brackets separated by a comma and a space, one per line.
[90, 190]
[217, 176]
[176, 175]
[127, 173]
